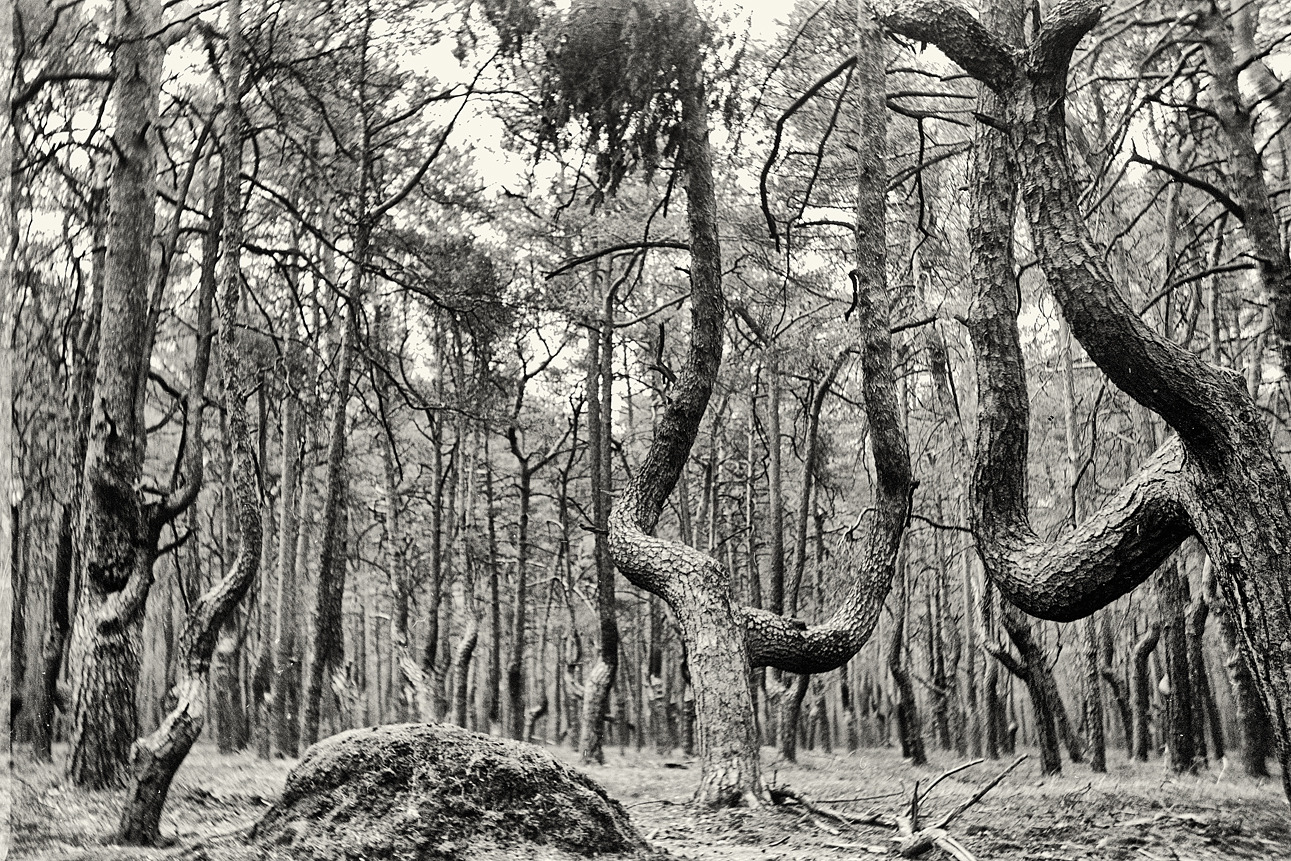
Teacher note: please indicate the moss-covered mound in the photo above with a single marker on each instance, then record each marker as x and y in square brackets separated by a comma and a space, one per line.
[424, 791]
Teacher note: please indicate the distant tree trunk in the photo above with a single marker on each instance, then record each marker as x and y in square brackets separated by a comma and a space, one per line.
[118, 531]
[1116, 683]
[461, 664]
[1032, 668]
[792, 705]
[775, 488]
[285, 616]
[1141, 691]
[1181, 735]
[596, 696]
[1091, 688]
[328, 640]
[908, 725]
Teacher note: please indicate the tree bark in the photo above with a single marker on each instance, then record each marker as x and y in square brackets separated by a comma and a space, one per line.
[331, 563]
[1181, 735]
[117, 532]
[1220, 478]
[1254, 737]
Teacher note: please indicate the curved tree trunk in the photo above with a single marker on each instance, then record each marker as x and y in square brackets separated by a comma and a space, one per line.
[1220, 478]
[720, 643]
[157, 757]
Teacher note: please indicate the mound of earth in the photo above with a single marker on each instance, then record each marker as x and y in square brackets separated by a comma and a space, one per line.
[417, 792]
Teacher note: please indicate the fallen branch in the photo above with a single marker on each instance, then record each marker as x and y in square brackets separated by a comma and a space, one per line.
[916, 841]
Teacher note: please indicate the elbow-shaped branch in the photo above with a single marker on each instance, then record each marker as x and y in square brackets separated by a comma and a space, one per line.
[953, 29]
[1062, 29]
[1114, 550]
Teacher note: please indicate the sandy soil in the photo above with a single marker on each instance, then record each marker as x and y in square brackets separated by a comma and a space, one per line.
[1134, 812]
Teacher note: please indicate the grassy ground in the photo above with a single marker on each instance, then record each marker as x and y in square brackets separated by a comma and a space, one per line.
[1134, 812]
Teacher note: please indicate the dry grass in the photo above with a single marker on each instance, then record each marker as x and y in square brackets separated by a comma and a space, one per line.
[1135, 812]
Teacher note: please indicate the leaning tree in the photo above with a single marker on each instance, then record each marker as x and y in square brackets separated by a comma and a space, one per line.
[1218, 478]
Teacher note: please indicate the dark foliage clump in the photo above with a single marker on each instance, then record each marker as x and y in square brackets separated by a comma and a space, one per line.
[615, 66]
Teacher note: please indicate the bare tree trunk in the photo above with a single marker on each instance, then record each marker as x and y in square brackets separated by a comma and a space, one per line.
[1180, 733]
[328, 641]
[908, 725]
[157, 757]
[596, 694]
[459, 669]
[117, 531]
[1116, 683]
[1141, 691]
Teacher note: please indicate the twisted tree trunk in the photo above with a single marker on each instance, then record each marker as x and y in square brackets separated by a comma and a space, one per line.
[720, 643]
[1219, 478]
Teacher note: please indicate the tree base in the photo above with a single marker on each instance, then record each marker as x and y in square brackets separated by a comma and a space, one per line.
[431, 791]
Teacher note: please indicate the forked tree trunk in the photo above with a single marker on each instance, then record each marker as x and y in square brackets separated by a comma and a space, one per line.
[719, 642]
[1031, 667]
[157, 757]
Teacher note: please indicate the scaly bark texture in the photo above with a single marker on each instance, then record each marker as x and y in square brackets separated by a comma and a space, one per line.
[117, 532]
[158, 756]
[1219, 478]
[8, 461]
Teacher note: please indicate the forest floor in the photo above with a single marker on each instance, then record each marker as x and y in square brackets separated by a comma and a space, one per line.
[1137, 811]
